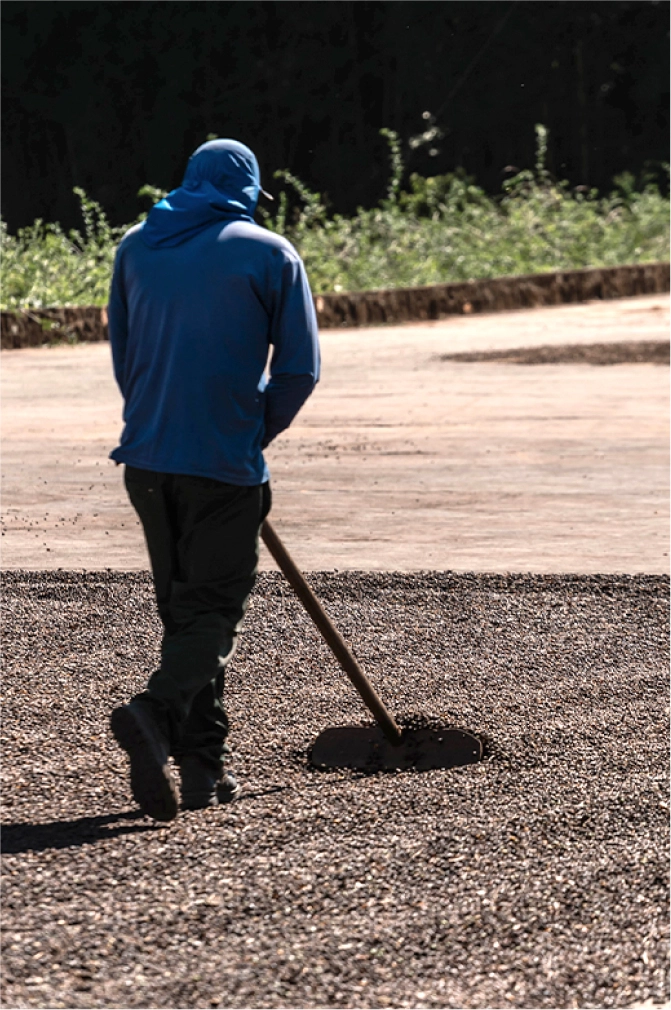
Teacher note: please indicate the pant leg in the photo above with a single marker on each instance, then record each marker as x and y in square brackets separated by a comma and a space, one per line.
[233, 566]
[202, 538]
[150, 494]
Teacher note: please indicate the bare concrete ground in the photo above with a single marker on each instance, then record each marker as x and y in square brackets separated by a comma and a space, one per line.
[400, 460]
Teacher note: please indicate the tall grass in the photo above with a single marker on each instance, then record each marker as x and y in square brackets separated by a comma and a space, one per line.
[447, 229]
[434, 230]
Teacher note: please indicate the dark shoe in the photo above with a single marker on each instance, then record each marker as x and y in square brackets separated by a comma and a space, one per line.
[203, 787]
[151, 782]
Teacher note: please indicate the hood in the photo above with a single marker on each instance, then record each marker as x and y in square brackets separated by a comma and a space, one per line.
[221, 183]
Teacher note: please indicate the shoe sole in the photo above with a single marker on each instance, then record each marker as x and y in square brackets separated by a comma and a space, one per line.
[204, 802]
[230, 795]
[151, 782]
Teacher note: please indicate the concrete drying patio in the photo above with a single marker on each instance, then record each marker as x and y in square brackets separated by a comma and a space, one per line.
[400, 460]
[537, 878]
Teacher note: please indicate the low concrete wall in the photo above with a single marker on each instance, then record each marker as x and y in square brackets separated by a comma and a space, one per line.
[34, 327]
[364, 308]
[501, 293]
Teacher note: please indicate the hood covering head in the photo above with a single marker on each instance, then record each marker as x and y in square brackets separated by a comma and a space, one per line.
[221, 183]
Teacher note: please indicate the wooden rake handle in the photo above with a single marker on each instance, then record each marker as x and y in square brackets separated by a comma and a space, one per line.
[329, 633]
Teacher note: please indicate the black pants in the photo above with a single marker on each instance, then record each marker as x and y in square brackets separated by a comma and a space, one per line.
[203, 542]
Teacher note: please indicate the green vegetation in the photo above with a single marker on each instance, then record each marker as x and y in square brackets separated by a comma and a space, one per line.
[43, 267]
[436, 230]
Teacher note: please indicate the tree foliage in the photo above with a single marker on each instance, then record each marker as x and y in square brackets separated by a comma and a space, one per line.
[107, 95]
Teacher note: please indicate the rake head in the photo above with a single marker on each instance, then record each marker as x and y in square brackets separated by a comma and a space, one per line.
[367, 748]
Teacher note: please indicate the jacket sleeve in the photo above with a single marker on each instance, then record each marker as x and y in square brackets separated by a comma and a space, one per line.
[295, 361]
[117, 322]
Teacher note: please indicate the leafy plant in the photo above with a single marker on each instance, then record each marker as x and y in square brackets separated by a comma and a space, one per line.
[437, 229]
[445, 228]
[43, 266]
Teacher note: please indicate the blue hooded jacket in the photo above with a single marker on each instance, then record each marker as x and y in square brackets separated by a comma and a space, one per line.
[200, 297]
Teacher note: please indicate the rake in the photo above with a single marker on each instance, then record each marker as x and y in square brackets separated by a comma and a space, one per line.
[384, 746]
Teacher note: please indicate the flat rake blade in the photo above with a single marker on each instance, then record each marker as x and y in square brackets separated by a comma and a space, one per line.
[366, 748]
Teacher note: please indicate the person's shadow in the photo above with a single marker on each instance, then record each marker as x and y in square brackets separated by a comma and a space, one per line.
[27, 837]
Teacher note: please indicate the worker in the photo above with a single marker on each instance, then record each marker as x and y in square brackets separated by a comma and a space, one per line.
[215, 349]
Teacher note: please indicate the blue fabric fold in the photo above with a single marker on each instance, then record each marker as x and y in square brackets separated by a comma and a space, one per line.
[221, 184]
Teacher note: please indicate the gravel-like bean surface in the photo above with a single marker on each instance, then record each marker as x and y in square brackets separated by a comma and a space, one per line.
[629, 352]
[536, 878]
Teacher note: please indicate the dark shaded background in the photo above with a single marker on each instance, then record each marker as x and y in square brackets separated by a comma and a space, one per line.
[112, 95]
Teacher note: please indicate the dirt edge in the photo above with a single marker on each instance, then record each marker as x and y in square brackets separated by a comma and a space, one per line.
[35, 327]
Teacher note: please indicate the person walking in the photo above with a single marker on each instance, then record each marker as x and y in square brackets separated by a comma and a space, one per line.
[215, 349]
